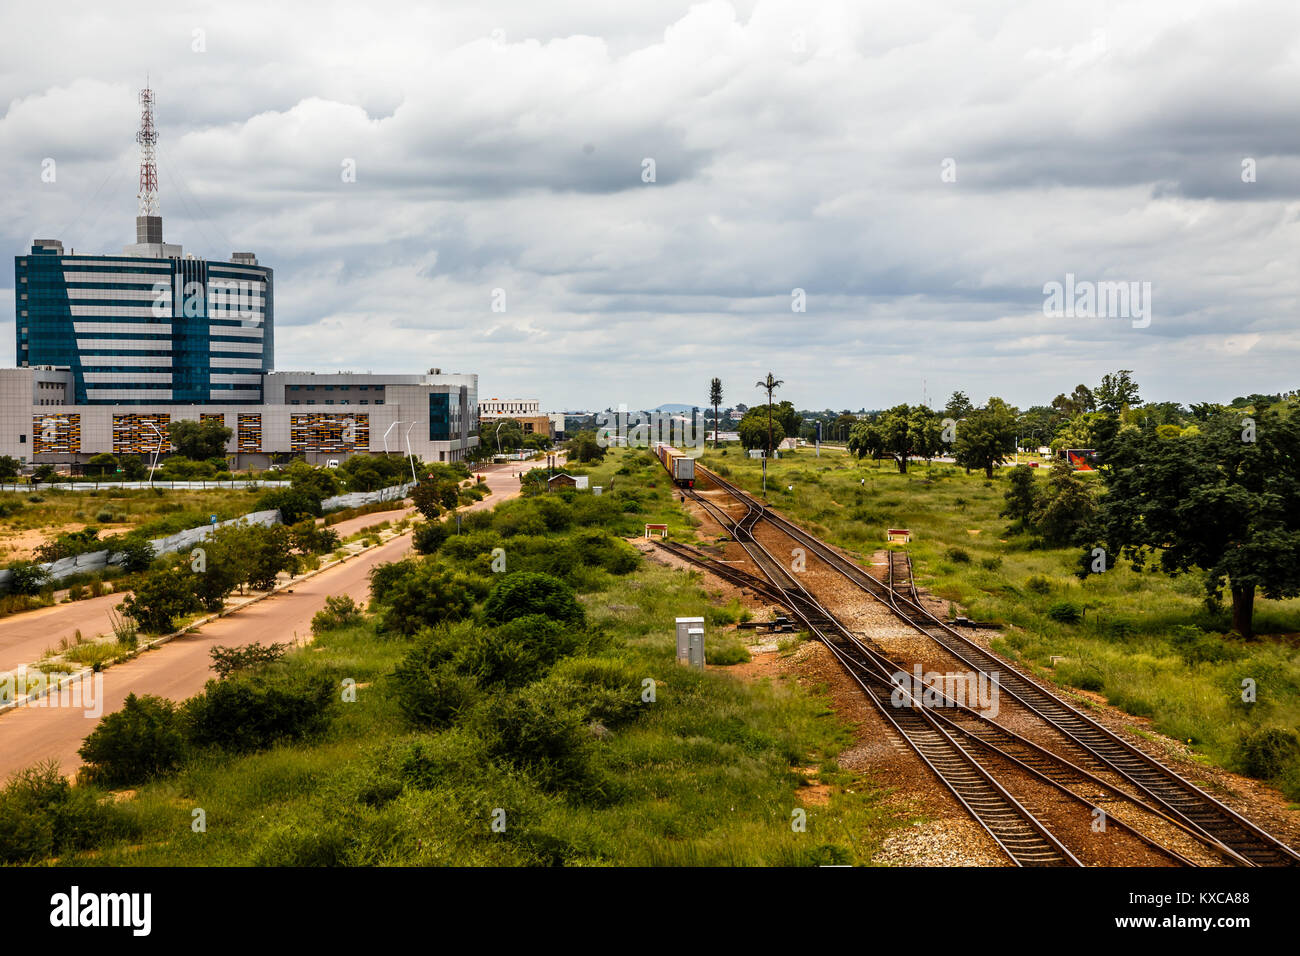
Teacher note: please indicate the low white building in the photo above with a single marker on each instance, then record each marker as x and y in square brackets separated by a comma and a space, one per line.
[316, 416]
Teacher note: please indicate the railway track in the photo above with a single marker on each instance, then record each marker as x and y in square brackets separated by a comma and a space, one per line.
[1178, 799]
[958, 758]
[974, 729]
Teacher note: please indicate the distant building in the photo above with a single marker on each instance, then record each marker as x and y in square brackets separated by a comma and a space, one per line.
[526, 411]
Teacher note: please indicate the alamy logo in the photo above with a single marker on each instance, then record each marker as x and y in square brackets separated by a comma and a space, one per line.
[622, 429]
[73, 909]
[1085, 299]
[54, 689]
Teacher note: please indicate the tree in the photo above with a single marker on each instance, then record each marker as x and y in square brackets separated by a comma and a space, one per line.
[1022, 496]
[265, 553]
[959, 406]
[199, 440]
[432, 495]
[294, 504]
[8, 467]
[987, 437]
[585, 447]
[27, 577]
[770, 383]
[715, 399]
[1213, 500]
[159, 598]
[98, 466]
[899, 433]
[133, 467]
[1066, 509]
[1117, 392]
[755, 432]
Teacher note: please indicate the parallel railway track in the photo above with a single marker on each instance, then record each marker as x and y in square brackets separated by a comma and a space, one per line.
[961, 760]
[1159, 788]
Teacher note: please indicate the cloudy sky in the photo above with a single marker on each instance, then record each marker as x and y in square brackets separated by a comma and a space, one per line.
[919, 171]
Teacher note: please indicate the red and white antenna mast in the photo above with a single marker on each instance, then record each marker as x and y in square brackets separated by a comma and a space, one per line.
[147, 137]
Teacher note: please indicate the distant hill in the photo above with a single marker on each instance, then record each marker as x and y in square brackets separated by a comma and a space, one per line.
[672, 408]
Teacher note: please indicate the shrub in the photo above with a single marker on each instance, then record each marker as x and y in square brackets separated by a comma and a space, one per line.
[427, 594]
[526, 593]
[538, 731]
[304, 844]
[1065, 612]
[429, 536]
[245, 713]
[1039, 584]
[1197, 647]
[428, 688]
[104, 517]
[134, 552]
[229, 660]
[990, 564]
[518, 652]
[42, 815]
[340, 611]
[726, 653]
[28, 577]
[293, 503]
[159, 599]
[608, 690]
[958, 556]
[1265, 753]
[142, 740]
[311, 538]
[384, 577]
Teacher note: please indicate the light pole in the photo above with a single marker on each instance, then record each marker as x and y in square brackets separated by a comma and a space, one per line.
[389, 429]
[157, 451]
[498, 434]
[408, 451]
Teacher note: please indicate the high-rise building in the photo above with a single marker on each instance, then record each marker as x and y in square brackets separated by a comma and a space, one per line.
[163, 332]
[149, 325]
[141, 329]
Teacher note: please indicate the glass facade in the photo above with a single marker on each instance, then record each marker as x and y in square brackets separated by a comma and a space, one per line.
[140, 331]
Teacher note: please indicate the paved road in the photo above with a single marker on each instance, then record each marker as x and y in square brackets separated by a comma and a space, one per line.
[25, 637]
[179, 669]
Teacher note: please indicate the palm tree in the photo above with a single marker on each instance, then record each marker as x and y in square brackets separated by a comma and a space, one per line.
[770, 383]
[715, 399]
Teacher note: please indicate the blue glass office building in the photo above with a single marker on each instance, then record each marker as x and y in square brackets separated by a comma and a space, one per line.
[149, 326]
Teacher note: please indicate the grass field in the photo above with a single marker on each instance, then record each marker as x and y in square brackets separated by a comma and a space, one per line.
[27, 520]
[1144, 640]
[708, 770]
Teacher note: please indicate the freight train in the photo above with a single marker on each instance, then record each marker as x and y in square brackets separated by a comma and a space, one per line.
[681, 467]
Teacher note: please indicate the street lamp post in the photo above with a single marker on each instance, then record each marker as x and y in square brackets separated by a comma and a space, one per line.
[408, 450]
[389, 429]
[157, 451]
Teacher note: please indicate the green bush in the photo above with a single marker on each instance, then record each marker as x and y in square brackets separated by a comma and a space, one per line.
[340, 611]
[427, 685]
[160, 598]
[1039, 584]
[958, 556]
[42, 815]
[142, 740]
[726, 653]
[539, 731]
[526, 593]
[1065, 612]
[1267, 752]
[425, 595]
[245, 713]
[517, 652]
[250, 657]
[294, 503]
[28, 577]
[990, 564]
[429, 536]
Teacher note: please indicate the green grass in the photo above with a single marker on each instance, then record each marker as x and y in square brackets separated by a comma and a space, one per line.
[708, 772]
[1126, 644]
